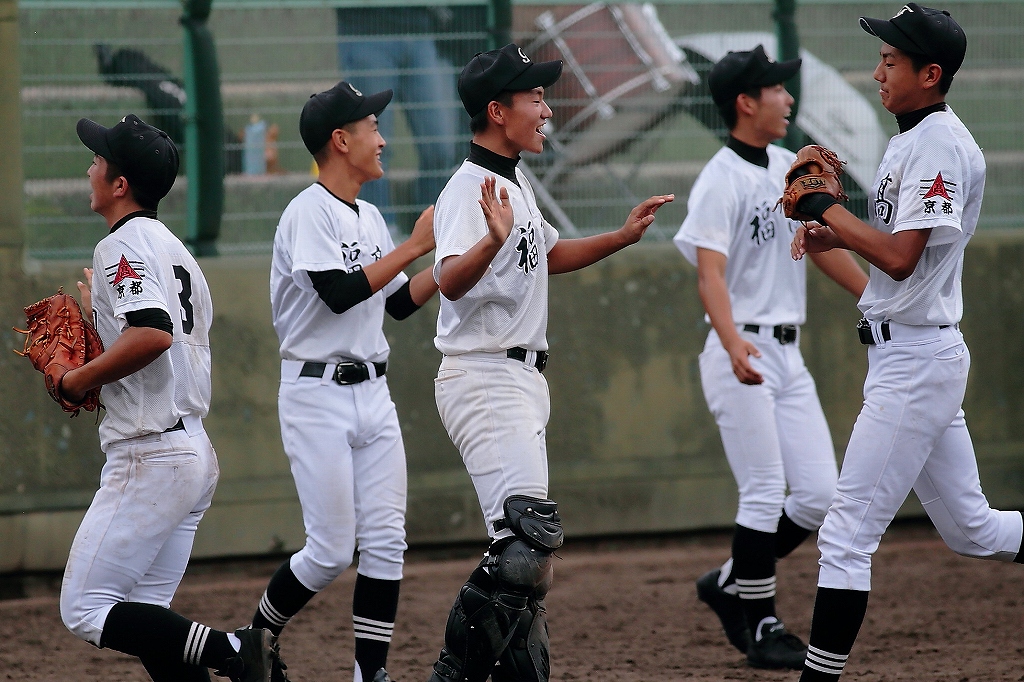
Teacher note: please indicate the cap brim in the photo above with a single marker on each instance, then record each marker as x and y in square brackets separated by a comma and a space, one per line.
[373, 104]
[94, 136]
[887, 31]
[780, 72]
[538, 75]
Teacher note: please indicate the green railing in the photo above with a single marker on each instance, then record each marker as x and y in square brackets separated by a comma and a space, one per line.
[273, 55]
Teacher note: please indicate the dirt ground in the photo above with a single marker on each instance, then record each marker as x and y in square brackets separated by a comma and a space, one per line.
[622, 610]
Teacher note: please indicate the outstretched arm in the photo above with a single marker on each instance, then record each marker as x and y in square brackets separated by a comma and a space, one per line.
[568, 255]
[894, 254]
[460, 273]
[419, 243]
[841, 267]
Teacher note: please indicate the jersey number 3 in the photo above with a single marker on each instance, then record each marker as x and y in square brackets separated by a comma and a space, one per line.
[187, 312]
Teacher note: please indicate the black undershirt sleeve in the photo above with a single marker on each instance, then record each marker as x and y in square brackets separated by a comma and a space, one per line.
[150, 317]
[341, 290]
[400, 304]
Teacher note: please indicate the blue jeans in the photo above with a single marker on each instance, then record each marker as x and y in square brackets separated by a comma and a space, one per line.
[424, 85]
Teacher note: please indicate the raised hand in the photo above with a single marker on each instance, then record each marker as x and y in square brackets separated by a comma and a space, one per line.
[497, 213]
[85, 293]
[423, 231]
[641, 217]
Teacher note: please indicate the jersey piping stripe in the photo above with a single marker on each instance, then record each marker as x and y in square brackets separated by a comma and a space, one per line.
[825, 662]
[270, 613]
[195, 642]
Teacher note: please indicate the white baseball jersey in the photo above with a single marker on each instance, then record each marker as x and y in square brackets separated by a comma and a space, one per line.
[932, 176]
[320, 232]
[732, 210]
[508, 307]
[141, 265]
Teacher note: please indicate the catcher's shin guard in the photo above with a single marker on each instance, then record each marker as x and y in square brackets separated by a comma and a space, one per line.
[501, 604]
[480, 625]
[526, 658]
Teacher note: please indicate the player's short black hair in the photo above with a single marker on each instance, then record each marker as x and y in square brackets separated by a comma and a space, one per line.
[919, 61]
[728, 111]
[141, 197]
[478, 123]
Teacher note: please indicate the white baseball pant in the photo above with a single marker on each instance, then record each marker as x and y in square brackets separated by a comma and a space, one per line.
[774, 434]
[496, 411]
[347, 457]
[911, 433]
[135, 540]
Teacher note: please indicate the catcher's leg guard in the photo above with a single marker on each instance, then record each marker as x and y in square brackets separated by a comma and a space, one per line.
[526, 658]
[501, 602]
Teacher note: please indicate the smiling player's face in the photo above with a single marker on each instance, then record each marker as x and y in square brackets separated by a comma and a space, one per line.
[771, 114]
[365, 145]
[525, 119]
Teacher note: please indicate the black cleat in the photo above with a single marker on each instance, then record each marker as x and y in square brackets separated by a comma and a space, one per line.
[277, 666]
[253, 662]
[382, 676]
[727, 607]
[777, 649]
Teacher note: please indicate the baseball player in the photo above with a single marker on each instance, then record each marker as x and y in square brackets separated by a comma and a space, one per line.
[755, 382]
[151, 306]
[495, 252]
[335, 272]
[911, 432]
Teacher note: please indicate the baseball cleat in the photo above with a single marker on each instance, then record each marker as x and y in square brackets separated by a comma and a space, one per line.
[253, 662]
[727, 607]
[277, 666]
[382, 676]
[777, 649]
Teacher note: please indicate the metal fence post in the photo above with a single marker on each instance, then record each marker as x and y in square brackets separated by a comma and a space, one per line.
[788, 39]
[11, 179]
[204, 130]
[500, 23]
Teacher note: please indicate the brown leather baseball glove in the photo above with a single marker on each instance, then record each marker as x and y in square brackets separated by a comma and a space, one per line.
[59, 339]
[816, 170]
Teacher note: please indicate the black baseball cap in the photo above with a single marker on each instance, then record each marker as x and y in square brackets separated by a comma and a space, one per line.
[738, 72]
[329, 110]
[924, 31]
[490, 73]
[146, 156]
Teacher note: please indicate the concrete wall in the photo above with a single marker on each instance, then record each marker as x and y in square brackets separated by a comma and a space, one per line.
[631, 444]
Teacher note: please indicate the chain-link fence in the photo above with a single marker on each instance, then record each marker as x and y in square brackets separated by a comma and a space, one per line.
[631, 114]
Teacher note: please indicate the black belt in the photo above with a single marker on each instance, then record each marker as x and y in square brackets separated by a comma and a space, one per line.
[345, 373]
[785, 333]
[864, 331]
[180, 426]
[519, 353]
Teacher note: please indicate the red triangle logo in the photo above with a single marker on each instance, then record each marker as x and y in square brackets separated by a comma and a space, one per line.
[124, 271]
[938, 188]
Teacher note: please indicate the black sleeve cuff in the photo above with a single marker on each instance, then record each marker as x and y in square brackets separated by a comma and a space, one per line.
[816, 204]
[400, 304]
[341, 290]
[150, 317]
